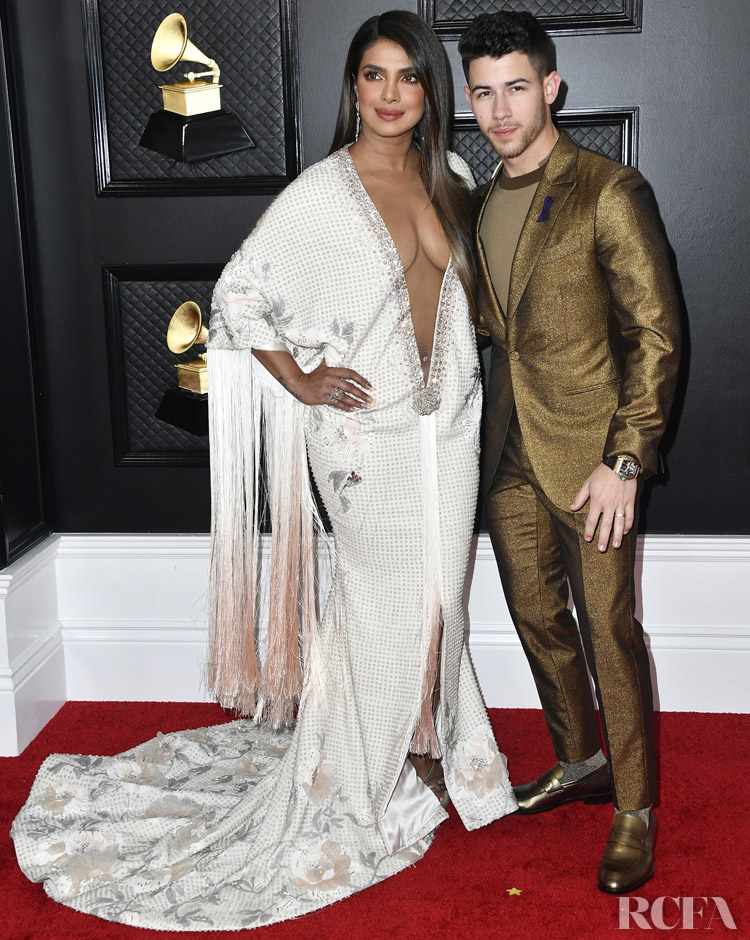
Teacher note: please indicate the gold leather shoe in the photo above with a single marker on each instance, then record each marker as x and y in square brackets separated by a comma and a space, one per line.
[549, 791]
[628, 859]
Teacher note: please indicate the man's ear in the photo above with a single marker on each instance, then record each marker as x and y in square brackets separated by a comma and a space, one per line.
[467, 93]
[551, 86]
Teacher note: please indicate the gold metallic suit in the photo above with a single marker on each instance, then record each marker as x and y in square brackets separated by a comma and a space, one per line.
[584, 363]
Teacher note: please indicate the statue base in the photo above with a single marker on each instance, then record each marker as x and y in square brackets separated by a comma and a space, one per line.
[190, 138]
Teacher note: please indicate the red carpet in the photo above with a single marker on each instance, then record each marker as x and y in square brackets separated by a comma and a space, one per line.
[460, 889]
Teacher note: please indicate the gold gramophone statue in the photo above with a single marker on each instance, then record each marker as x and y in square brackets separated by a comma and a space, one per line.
[186, 406]
[192, 125]
[186, 328]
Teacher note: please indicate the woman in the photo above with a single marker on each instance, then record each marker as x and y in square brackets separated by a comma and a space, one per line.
[340, 324]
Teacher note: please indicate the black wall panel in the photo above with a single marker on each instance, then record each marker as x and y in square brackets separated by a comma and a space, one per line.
[22, 521]
[256, 49]
[666, 85]
[580, 17]
[139, 302]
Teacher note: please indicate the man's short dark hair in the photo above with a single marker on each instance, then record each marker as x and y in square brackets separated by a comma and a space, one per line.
[497, 34]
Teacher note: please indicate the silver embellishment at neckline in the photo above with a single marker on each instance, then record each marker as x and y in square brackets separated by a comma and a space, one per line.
[425, 398]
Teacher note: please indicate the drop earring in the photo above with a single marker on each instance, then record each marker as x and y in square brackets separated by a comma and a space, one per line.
[356, 133]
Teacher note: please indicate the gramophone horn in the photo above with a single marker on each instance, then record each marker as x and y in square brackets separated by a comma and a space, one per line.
[171, 45]
[186, 326]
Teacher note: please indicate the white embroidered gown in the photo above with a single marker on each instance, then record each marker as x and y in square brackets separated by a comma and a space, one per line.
[238, 825]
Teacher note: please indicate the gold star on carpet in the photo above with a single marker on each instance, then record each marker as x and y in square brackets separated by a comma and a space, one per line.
[513, 890]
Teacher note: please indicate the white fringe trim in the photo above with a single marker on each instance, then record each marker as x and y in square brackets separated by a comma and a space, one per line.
[252, 416]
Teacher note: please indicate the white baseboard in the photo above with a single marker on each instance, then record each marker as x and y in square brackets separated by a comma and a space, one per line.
[32, 658]
[121, 617]
[157, 662]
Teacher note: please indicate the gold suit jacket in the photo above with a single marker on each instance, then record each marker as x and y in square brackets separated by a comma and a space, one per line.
[588, 348]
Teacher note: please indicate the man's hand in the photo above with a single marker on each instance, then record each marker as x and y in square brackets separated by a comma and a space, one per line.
[611, 505]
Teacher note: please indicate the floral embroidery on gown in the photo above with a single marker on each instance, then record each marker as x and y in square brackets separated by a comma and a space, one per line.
[241, 825]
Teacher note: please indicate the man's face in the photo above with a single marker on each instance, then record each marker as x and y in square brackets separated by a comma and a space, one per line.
[511, 102]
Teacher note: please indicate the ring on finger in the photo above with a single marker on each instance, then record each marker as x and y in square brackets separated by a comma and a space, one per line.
[335, 394]
[619, 515]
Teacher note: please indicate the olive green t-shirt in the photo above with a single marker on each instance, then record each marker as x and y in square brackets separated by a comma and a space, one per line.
[501, 226]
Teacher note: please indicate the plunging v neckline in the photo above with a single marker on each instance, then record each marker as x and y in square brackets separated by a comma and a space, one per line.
[426, 387]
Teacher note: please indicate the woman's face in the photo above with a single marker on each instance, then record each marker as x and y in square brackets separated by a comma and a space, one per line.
[391, 98]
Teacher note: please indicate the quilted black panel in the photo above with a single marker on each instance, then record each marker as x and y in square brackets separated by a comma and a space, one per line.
[144, 368]
[470, 143]
[614, 140]
[604, 138]
[450, 17]
[245, 38]
[447, 10]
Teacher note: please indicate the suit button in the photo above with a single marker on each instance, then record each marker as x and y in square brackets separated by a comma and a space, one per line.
[515, 355]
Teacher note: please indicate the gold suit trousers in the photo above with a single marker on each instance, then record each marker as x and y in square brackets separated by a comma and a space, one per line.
[540, 549]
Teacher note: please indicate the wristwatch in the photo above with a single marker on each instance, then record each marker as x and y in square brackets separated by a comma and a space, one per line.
[625, 466]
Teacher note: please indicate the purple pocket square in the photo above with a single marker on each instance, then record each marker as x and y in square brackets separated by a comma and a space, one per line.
[548, 200]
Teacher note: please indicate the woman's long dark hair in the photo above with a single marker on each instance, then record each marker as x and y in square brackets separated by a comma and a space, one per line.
[448, 192]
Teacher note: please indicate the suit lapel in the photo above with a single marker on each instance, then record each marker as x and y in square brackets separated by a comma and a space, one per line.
[553, 190]
[480, 252]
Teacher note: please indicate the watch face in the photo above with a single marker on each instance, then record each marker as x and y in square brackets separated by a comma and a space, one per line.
[627, 468]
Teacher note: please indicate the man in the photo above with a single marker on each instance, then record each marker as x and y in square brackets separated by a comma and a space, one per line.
[576, 296]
